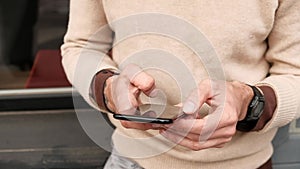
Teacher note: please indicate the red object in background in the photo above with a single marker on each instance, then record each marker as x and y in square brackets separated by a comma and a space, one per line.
[47, 71]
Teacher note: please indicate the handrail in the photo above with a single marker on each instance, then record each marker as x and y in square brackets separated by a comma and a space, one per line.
[39, 99]
[36, 92]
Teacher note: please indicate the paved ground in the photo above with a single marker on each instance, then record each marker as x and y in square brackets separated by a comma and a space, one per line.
[48, 139]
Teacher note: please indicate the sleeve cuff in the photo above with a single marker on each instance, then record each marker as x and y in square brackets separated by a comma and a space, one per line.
[286, 98]
[98, 86]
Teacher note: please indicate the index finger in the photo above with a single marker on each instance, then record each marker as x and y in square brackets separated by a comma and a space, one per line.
[124, 100]
[139, 78]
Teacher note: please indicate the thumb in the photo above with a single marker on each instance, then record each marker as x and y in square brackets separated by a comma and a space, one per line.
[192, 103]
[197, 98]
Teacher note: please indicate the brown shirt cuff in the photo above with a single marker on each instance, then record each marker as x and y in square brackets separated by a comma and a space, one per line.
[98, 88]
[270, 106]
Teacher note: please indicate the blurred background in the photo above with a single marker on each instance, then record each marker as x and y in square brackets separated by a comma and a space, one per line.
[39, 127]
[27, 27]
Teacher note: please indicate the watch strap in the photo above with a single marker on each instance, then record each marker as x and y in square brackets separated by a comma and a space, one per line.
[251, 118]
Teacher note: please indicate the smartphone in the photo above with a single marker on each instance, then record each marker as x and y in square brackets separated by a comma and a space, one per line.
[143, 119]
[160, 114]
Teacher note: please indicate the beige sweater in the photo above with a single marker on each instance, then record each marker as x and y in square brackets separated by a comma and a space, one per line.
[256, 41]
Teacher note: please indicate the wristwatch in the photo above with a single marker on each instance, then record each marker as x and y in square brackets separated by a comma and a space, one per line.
[255, 110]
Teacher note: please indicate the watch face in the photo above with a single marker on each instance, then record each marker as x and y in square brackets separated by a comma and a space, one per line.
[258, 109]
[254, 101]
[255, 110]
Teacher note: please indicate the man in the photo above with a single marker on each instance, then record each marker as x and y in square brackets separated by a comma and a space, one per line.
[240, 85]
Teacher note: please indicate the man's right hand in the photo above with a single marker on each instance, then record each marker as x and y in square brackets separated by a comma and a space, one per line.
[122, 93]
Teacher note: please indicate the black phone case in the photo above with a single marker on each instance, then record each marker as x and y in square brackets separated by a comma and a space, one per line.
[142, 119]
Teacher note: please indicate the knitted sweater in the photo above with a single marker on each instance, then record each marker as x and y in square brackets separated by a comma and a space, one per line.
[256, 42]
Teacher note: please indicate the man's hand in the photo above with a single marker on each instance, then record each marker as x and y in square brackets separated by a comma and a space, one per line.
[122, 93]
[228, 102]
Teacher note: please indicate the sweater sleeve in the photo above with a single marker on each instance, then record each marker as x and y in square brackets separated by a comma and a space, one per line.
[284, 56]
[86, 45]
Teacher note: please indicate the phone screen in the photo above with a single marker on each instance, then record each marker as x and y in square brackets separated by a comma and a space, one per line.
[153, 113]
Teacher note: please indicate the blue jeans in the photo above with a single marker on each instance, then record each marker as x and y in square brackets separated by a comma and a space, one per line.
[116, 161]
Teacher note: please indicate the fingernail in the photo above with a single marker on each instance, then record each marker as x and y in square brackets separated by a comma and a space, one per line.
[189, 107]
[153, 93]
[149, 114]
